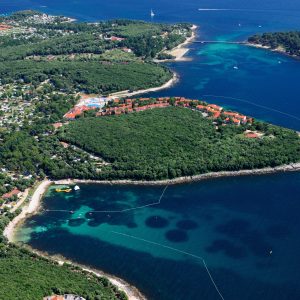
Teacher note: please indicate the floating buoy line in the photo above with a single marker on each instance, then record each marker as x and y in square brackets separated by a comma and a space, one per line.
[144, 240]
[114, 211]
[178, 251]
[255, 104]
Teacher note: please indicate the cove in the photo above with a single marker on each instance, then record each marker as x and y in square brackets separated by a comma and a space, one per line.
[246, 230]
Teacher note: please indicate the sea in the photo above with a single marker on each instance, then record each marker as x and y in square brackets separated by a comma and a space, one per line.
[232, 238]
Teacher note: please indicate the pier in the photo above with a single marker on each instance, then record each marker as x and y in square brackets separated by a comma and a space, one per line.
[220, 42]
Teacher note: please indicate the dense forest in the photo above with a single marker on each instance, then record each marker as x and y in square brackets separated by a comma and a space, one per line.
[36, 54]
[20, 268]
[88, 77]
[149, 145]
[287, 41]
[173, 142]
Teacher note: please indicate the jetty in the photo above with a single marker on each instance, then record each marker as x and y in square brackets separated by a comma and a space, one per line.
[219, 42]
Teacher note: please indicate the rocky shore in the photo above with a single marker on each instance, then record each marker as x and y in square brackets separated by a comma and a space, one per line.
[131, 291]
[293, 167]
[277, 50]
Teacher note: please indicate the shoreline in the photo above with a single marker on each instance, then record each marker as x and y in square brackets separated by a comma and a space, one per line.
[178, 57]
[29, 209]
[131, 291]
[181, 50]
[166, 85]
[32, 208]
[277, 50]
[293, 167]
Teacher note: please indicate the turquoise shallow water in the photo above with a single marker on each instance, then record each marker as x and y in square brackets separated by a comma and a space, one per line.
[232, 223]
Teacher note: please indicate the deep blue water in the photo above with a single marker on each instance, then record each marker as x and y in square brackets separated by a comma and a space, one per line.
[232, 223]
[246, 229]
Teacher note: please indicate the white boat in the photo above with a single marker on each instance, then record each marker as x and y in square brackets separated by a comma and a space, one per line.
[76, 188]
[152, 13]
[236, 67]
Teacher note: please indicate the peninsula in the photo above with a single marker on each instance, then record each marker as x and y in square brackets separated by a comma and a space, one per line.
[283, 42]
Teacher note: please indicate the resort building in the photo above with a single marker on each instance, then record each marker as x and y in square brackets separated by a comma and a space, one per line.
[109, 106]
[86, 104]
[64, 297]
[4, 27]
[14, 192]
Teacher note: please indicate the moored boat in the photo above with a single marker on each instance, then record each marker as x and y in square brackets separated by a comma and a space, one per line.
[76, 188]
[67, 190]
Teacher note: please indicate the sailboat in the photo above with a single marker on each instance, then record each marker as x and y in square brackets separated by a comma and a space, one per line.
[152, 13]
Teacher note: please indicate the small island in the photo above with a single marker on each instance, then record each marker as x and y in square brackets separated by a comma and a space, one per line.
[283, 42]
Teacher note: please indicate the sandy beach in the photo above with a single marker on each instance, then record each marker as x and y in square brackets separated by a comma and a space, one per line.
[132, 292]
[155, 89]
[181, 50]
[179, 53]
[29, 209]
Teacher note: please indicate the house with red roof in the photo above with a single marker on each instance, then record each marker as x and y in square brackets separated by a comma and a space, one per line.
[4, 27]
[116, 39]
[215, 107]
[251, 135]
[236, 121]
[14, 192]
[57, 125]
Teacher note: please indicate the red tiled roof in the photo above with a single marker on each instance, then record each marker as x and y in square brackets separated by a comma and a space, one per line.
[236, 121]
[57, 125]
[115, 38]
[217, 114]
[11, 193]
[229, 113]
[57, 297]
[251, 135]
[214, 106]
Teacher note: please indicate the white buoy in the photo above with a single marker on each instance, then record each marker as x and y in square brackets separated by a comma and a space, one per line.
[76, 188]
